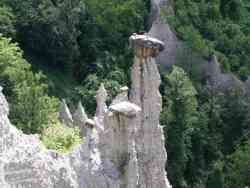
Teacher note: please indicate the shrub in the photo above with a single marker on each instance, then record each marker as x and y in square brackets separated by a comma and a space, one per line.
[30, 105]
[61, 138]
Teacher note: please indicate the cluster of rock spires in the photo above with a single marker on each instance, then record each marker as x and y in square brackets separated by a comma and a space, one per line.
[78, 119]
[124, 143]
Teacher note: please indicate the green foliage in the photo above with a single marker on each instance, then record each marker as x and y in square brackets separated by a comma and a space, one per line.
[199, 146]
[105, 29]
[126, 17]
[216, 179]
[234, 116]
[222, 125]
[30, 106]
[49, 28]
[7, 21]
[179, 118]
[218, 26]
[110, 70]
[31, 109]
[82, 43]
[60, 138]
[181, 91]
[194, 40]
[87, 92]
[86, 41]
[239, 167]
[200, 135]
[79, 38]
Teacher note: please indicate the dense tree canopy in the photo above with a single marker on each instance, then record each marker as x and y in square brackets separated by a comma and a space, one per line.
[179, 118]
[31, 107]
[239, 167]
[203, 128]
[83, 42]
[216, 27]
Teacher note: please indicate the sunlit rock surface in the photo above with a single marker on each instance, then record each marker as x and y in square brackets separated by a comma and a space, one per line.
[124, 143]
[145, 93]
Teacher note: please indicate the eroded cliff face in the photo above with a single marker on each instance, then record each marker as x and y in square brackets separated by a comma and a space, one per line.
[124, 143]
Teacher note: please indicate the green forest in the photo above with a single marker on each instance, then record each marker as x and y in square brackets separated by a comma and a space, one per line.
[64, 49]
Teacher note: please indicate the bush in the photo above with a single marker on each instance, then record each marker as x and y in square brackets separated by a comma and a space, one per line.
[239, 167]
[30, 105]
[61, 138]
[7, 20]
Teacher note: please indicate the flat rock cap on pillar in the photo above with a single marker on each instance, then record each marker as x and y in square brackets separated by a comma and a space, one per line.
[146, 46]
[90, 123]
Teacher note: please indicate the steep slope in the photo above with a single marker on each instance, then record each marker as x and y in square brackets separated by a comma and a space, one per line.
[210, 70]
[161, 30]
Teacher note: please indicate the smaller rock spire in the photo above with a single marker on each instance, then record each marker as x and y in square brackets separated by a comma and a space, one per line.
[64, 114]
[80, 117]
[101, 109]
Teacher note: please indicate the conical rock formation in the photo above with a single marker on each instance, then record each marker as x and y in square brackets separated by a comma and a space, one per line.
[79, 119]
[65, 114]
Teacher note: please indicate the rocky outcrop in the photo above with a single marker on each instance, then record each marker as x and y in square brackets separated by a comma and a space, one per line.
[124, 144]
[216, 79]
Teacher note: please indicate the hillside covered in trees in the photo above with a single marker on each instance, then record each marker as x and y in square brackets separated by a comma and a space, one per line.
[55, 49]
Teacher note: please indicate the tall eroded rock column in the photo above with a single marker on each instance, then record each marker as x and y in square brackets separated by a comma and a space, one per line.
[145, 93]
